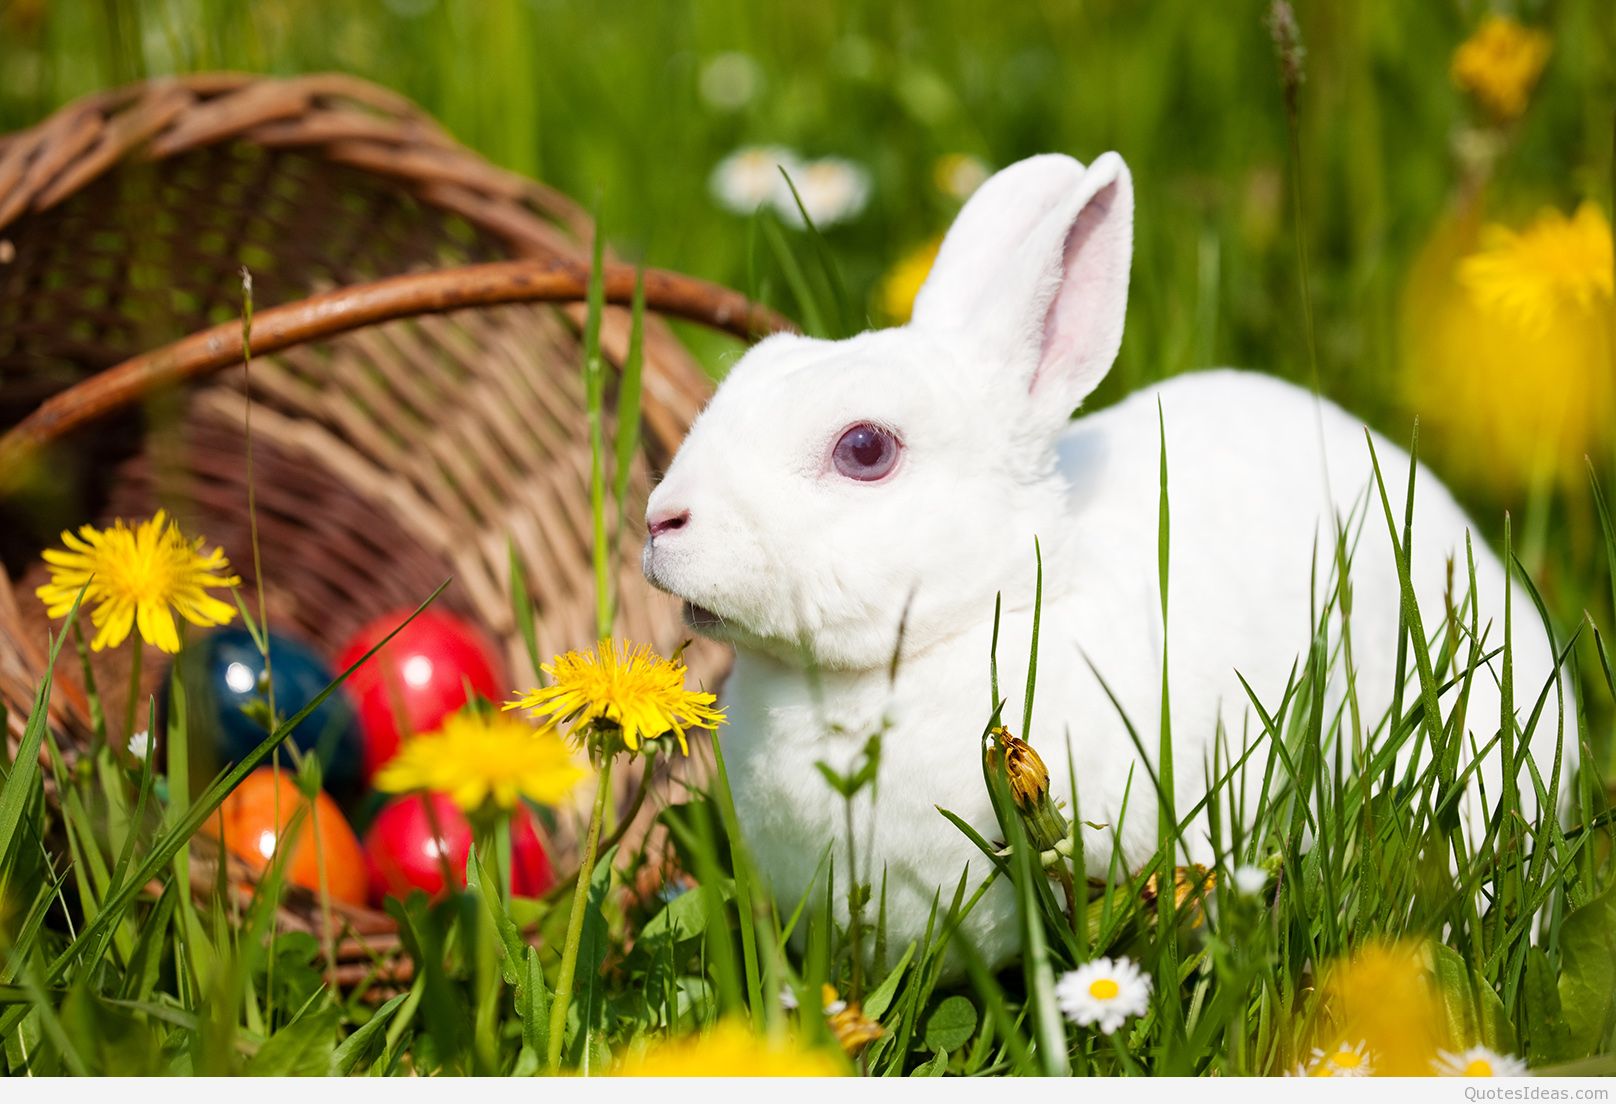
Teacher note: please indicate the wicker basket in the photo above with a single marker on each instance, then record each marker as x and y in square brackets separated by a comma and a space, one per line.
[417, 402]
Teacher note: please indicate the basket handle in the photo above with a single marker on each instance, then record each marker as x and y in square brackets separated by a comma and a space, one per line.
[350, 308]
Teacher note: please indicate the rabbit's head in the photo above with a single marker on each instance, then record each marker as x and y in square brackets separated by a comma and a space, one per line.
[832, 487]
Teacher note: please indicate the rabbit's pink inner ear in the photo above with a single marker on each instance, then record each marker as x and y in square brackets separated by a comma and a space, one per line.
[1083, 326]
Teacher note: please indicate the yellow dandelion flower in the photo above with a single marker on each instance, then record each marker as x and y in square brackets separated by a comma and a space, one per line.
[141, 578]
[1507, 335]
[1535, 277]
[631, 690]
[1383, 1000]
[475, 758]
[902, 283]
[1499, 65]
[730, 1049]
[847, 1021]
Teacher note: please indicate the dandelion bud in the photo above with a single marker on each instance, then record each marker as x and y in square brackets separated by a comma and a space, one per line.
[1023, 770]
[1027, 779]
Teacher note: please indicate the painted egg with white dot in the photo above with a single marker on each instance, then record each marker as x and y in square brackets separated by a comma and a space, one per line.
[226, 684]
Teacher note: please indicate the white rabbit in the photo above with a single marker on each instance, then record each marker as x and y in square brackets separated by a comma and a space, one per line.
[830, 486]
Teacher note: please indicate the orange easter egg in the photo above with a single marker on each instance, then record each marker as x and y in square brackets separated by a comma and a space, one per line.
[255, 816]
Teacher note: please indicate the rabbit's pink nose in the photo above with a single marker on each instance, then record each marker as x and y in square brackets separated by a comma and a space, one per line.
[667, 521]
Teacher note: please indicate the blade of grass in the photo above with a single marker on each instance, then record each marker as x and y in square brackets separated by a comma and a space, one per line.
[1032, 660]
[20, 784]
[629, 389]
[827, 264]
[522, 610]
[745, 905]
[813, 320]
[594, 370]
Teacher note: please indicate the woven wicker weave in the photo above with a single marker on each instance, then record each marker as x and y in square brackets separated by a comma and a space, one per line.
[394, 448]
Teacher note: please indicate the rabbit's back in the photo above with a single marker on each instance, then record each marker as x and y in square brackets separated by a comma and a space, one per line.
[1263, 478]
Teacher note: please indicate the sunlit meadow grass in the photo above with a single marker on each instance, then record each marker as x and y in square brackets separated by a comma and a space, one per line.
[1507, 939]
[1344, 874]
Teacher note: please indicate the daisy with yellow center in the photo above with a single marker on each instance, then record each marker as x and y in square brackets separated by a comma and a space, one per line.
[1478, 1062]
[1103, 993]
[1499, 65]
[477, 758]
[142, 578]
[750, 178]
[730, 1049]
[831, 190]
[1342, 1060]
[631, 691]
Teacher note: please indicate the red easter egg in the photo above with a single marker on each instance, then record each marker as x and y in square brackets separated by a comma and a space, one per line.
[403, 852]
[421, 676]
[257, 811]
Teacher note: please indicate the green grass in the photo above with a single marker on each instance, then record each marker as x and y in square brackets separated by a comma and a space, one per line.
[103, 974]
[110, 964]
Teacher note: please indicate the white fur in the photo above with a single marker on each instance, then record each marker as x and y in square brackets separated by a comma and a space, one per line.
[811, 572]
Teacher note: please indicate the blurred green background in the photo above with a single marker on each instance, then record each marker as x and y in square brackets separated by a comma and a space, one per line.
[630, 107]
[605, 101]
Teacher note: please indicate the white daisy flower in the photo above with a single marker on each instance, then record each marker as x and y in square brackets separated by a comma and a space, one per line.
[1342, 1060]
[1250, 880]
[750, 177]
[832, 190]
[140, 745]
[1478, 1062]
[788, 998]
[728, 81]
[1103, 993]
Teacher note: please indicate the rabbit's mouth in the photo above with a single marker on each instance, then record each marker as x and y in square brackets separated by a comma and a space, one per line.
[702, 619]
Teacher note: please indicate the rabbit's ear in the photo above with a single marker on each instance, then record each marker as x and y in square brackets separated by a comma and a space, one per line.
[1033, 276]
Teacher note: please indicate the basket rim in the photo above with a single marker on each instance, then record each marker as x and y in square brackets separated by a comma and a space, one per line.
[356, 306]
[161, 117]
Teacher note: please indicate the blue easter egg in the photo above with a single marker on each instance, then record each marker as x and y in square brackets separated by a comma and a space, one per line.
[223, 677]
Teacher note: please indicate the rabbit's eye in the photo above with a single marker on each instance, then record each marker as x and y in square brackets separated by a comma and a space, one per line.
[865, 452]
